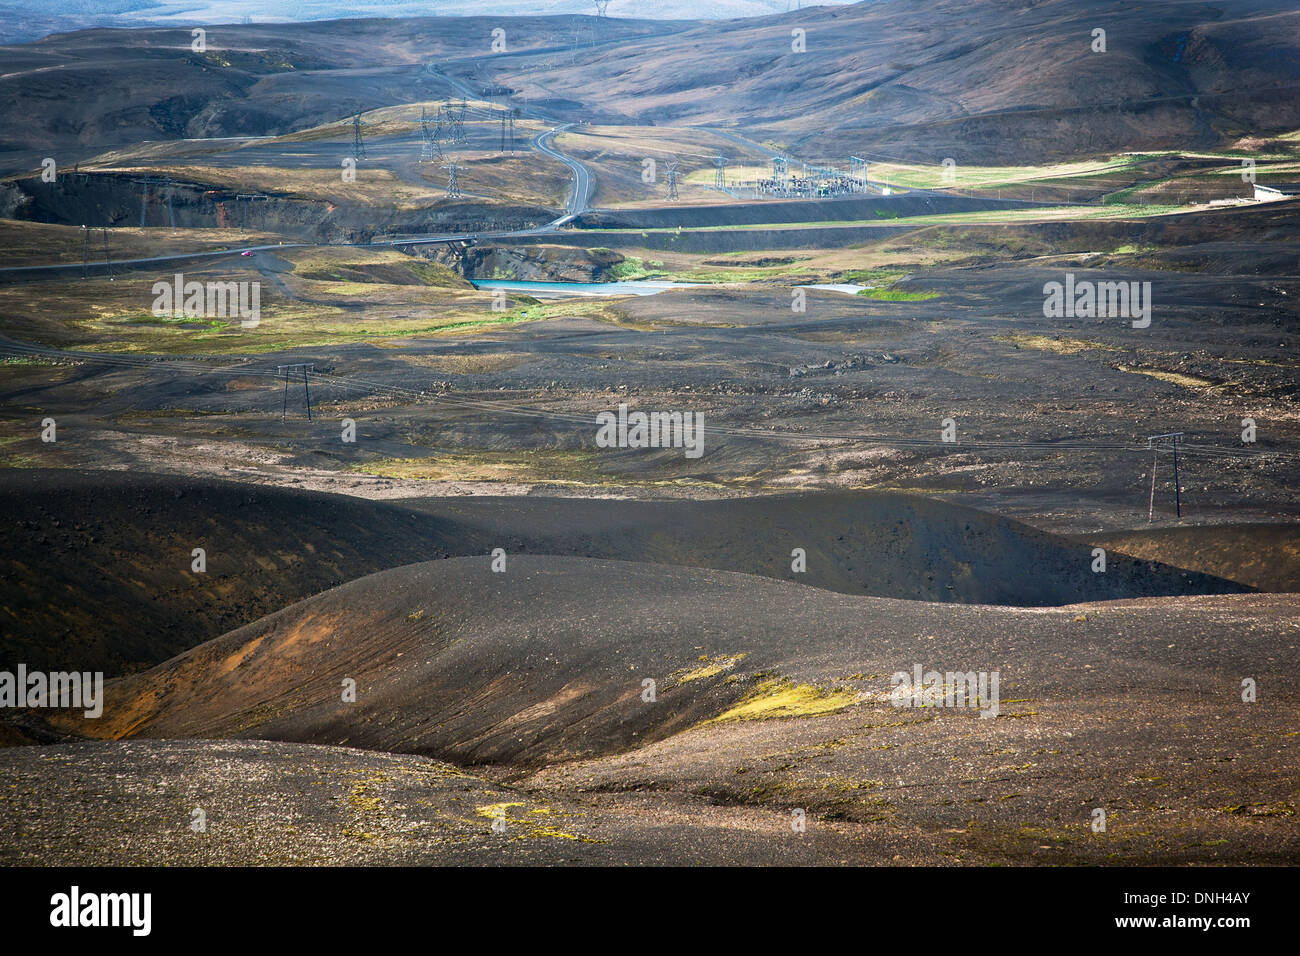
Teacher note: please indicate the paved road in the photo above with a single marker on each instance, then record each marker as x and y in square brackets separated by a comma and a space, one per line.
[73, 269]
[581, 175]
[576, 204]
[581, 194]
[55, 269]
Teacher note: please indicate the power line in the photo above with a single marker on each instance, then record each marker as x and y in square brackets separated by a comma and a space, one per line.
[453, 180]
[1153, 442]
[458, 123]
[508, 129]
[306, 387]
[427, 148]
[358, 141]
[144, 197]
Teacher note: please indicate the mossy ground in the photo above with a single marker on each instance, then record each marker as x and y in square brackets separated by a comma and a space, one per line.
[779, 697]
[549, 465]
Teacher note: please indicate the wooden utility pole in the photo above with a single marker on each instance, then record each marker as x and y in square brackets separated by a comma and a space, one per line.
[1152, 440]
[284, 408]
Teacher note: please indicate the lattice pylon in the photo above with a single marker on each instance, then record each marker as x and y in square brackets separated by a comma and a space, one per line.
[358, 141]
[670, 169]
[426, 137]
[453, 181]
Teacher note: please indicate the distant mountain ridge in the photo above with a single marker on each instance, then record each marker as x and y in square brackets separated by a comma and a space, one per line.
[1010, 82]
[24, 21]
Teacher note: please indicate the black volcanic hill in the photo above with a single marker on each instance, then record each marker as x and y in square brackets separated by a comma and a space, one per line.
[769, 696]
[102, 88]
[978, 80]
[95, 568]
[546, 661]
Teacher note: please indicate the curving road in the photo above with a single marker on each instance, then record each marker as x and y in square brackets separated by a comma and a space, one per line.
[576, 204]
[581, 194]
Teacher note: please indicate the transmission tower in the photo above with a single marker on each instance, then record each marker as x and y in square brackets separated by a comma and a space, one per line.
[600, 7]
[442, 130]
[144, 197]
[358, 142]
[508, 130]
[85, 253]
[453, 180]
[427, 148]
[458, 123]
[253, 198]
[780, 174]
[670, 168]
[858, 170]
[720, 173]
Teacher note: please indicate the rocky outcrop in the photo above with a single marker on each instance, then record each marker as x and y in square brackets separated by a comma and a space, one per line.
[545, 263]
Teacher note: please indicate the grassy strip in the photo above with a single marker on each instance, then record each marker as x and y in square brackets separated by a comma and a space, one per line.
[1037, 214]
[897, 295]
